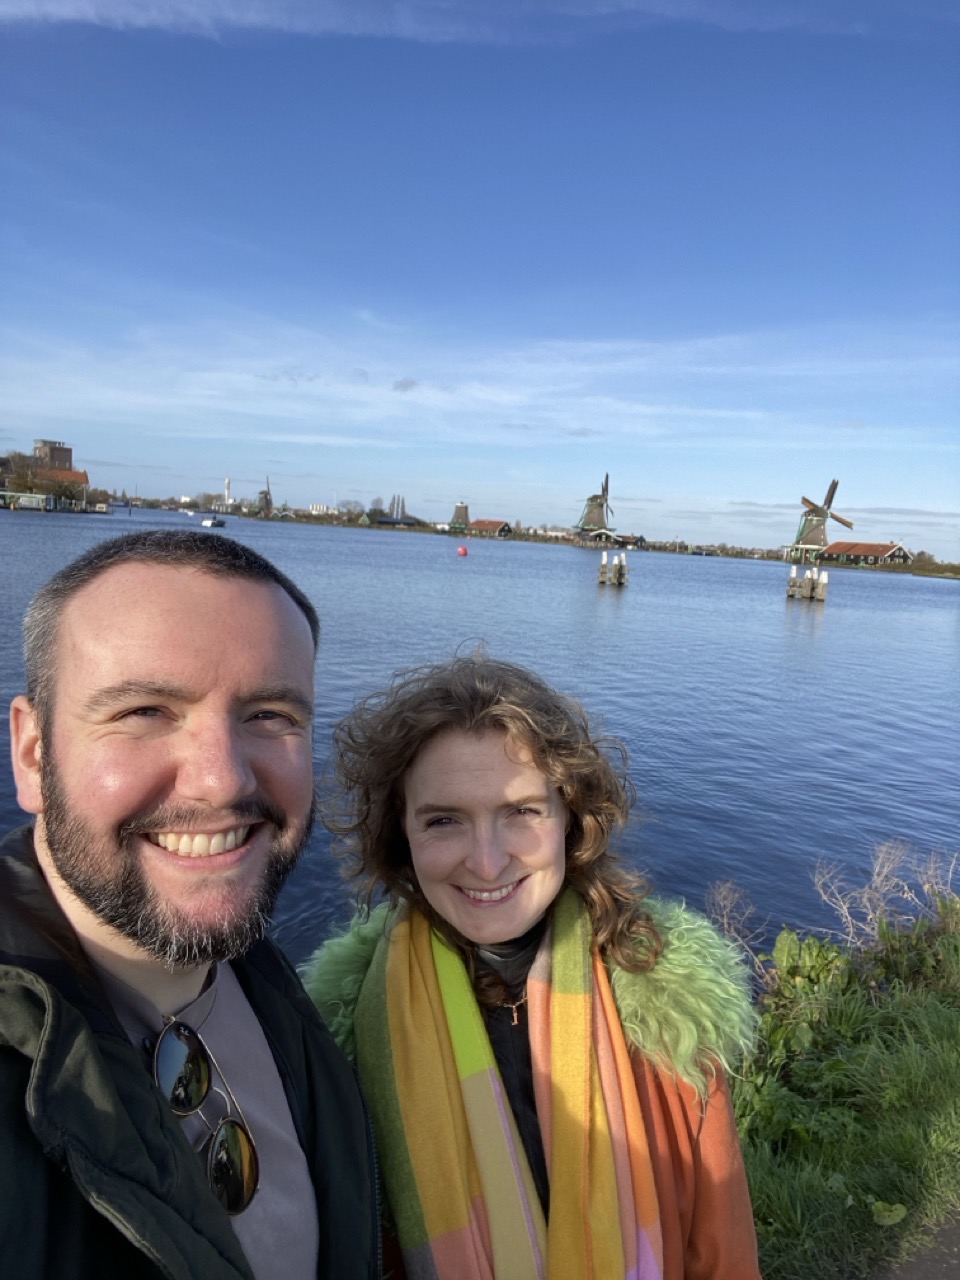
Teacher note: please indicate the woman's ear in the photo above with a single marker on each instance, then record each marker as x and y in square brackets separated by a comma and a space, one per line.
[26, 749]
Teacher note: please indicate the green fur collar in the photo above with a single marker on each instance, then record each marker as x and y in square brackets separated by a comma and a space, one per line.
[690, 1013]
[334, 974]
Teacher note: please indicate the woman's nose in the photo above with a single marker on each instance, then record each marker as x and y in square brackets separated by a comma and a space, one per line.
[487, 857]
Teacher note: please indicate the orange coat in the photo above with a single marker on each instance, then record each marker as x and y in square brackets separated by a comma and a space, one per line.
[705, 1212]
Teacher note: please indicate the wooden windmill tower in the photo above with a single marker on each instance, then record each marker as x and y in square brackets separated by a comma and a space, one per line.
[595, 520]
[812, 535]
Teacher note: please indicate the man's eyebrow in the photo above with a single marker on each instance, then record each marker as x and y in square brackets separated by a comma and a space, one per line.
[163, 691]
[282, 693]
[129, 690]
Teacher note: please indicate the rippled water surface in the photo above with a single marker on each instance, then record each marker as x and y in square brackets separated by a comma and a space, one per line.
[764, 734]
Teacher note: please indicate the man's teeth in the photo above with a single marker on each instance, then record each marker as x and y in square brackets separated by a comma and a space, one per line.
[199, 845]
[490, 895]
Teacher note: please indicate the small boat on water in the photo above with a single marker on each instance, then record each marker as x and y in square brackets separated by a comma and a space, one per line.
[213, 522]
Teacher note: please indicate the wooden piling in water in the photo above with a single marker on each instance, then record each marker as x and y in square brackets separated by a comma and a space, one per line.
[812, 586]
[615, 573]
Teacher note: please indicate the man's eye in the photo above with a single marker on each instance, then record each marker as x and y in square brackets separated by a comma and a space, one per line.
[269, 716]
[141, 712]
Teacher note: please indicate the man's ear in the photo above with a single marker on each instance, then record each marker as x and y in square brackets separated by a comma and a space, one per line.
[25, 748]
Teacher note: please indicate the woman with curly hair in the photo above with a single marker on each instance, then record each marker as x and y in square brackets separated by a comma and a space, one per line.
[543, 1047]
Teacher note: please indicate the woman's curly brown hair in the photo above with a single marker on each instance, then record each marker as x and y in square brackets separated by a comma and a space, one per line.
[376, 745]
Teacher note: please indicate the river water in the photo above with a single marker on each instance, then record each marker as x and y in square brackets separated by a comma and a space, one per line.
[764, 734]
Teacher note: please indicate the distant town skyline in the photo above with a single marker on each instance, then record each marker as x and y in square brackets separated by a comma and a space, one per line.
[593, 515]
[491, 252]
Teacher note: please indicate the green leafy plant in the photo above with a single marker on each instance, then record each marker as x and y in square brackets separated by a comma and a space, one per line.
[849, 1110]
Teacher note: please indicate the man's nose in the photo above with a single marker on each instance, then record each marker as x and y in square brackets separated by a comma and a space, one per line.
[487, 857]
[215, 766]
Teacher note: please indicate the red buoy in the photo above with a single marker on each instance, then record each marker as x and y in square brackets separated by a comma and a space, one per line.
[461, 551]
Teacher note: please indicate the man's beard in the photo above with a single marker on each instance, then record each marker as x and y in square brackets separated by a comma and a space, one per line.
[110, 879]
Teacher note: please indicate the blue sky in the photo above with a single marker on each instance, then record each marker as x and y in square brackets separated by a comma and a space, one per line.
[490, 251]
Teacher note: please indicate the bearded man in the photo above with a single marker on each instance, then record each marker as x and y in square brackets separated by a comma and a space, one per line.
[171, 1104]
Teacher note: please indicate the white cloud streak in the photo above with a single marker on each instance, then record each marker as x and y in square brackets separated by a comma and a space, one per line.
[260, 379]
[711, 435]
[492, 21]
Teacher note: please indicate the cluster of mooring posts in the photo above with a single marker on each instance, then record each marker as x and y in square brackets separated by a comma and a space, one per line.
[613, 574]
[812, 586]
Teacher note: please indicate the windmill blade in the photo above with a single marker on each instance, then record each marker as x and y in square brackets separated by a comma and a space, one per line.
[831, 493]
[813, 506]
[841, 520]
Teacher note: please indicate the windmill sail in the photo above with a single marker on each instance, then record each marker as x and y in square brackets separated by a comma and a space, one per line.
[812, 536]
[597, 510]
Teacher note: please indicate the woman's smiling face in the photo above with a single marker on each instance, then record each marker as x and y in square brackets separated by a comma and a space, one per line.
[487, 833]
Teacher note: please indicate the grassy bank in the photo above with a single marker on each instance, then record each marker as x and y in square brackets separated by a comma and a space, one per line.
[850, 1110]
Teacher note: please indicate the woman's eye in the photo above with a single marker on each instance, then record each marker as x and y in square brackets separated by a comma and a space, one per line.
[441, 821]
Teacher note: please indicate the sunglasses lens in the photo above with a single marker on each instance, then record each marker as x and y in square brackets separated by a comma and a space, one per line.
[181, 1068]
[232, 1165]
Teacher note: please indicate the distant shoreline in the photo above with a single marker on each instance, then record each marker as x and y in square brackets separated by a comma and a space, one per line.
[947, 571]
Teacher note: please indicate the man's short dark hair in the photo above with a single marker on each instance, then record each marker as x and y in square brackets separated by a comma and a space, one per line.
[174, 549]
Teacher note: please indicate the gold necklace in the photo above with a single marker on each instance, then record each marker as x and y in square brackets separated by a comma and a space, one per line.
[514, 1007]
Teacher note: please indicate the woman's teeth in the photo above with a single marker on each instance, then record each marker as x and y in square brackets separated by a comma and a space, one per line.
[199, 845]
[490, 895]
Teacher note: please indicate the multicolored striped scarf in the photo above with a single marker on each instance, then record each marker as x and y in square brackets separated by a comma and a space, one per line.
[456, 1174]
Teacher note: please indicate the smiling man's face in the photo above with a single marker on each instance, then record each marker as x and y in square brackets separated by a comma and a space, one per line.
[174, 784]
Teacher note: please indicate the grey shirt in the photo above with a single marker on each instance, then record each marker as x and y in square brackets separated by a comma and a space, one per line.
[279, 1229]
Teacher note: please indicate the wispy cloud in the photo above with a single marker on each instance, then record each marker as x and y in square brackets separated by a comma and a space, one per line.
[255, 378]
[704, 436]
[111, 464]
[763, 507]
[492, 21]
[907, 511]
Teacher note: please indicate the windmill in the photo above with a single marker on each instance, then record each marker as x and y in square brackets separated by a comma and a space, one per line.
[597, 511]
[812, 535]
[266, 501]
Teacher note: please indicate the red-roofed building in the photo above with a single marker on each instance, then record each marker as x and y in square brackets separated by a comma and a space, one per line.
[490, 528]
[59, 475]
[865, 553]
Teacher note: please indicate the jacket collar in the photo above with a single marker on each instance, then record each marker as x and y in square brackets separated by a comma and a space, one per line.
[36, 935]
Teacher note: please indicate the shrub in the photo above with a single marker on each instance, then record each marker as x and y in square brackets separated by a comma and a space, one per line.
[849, 1111]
